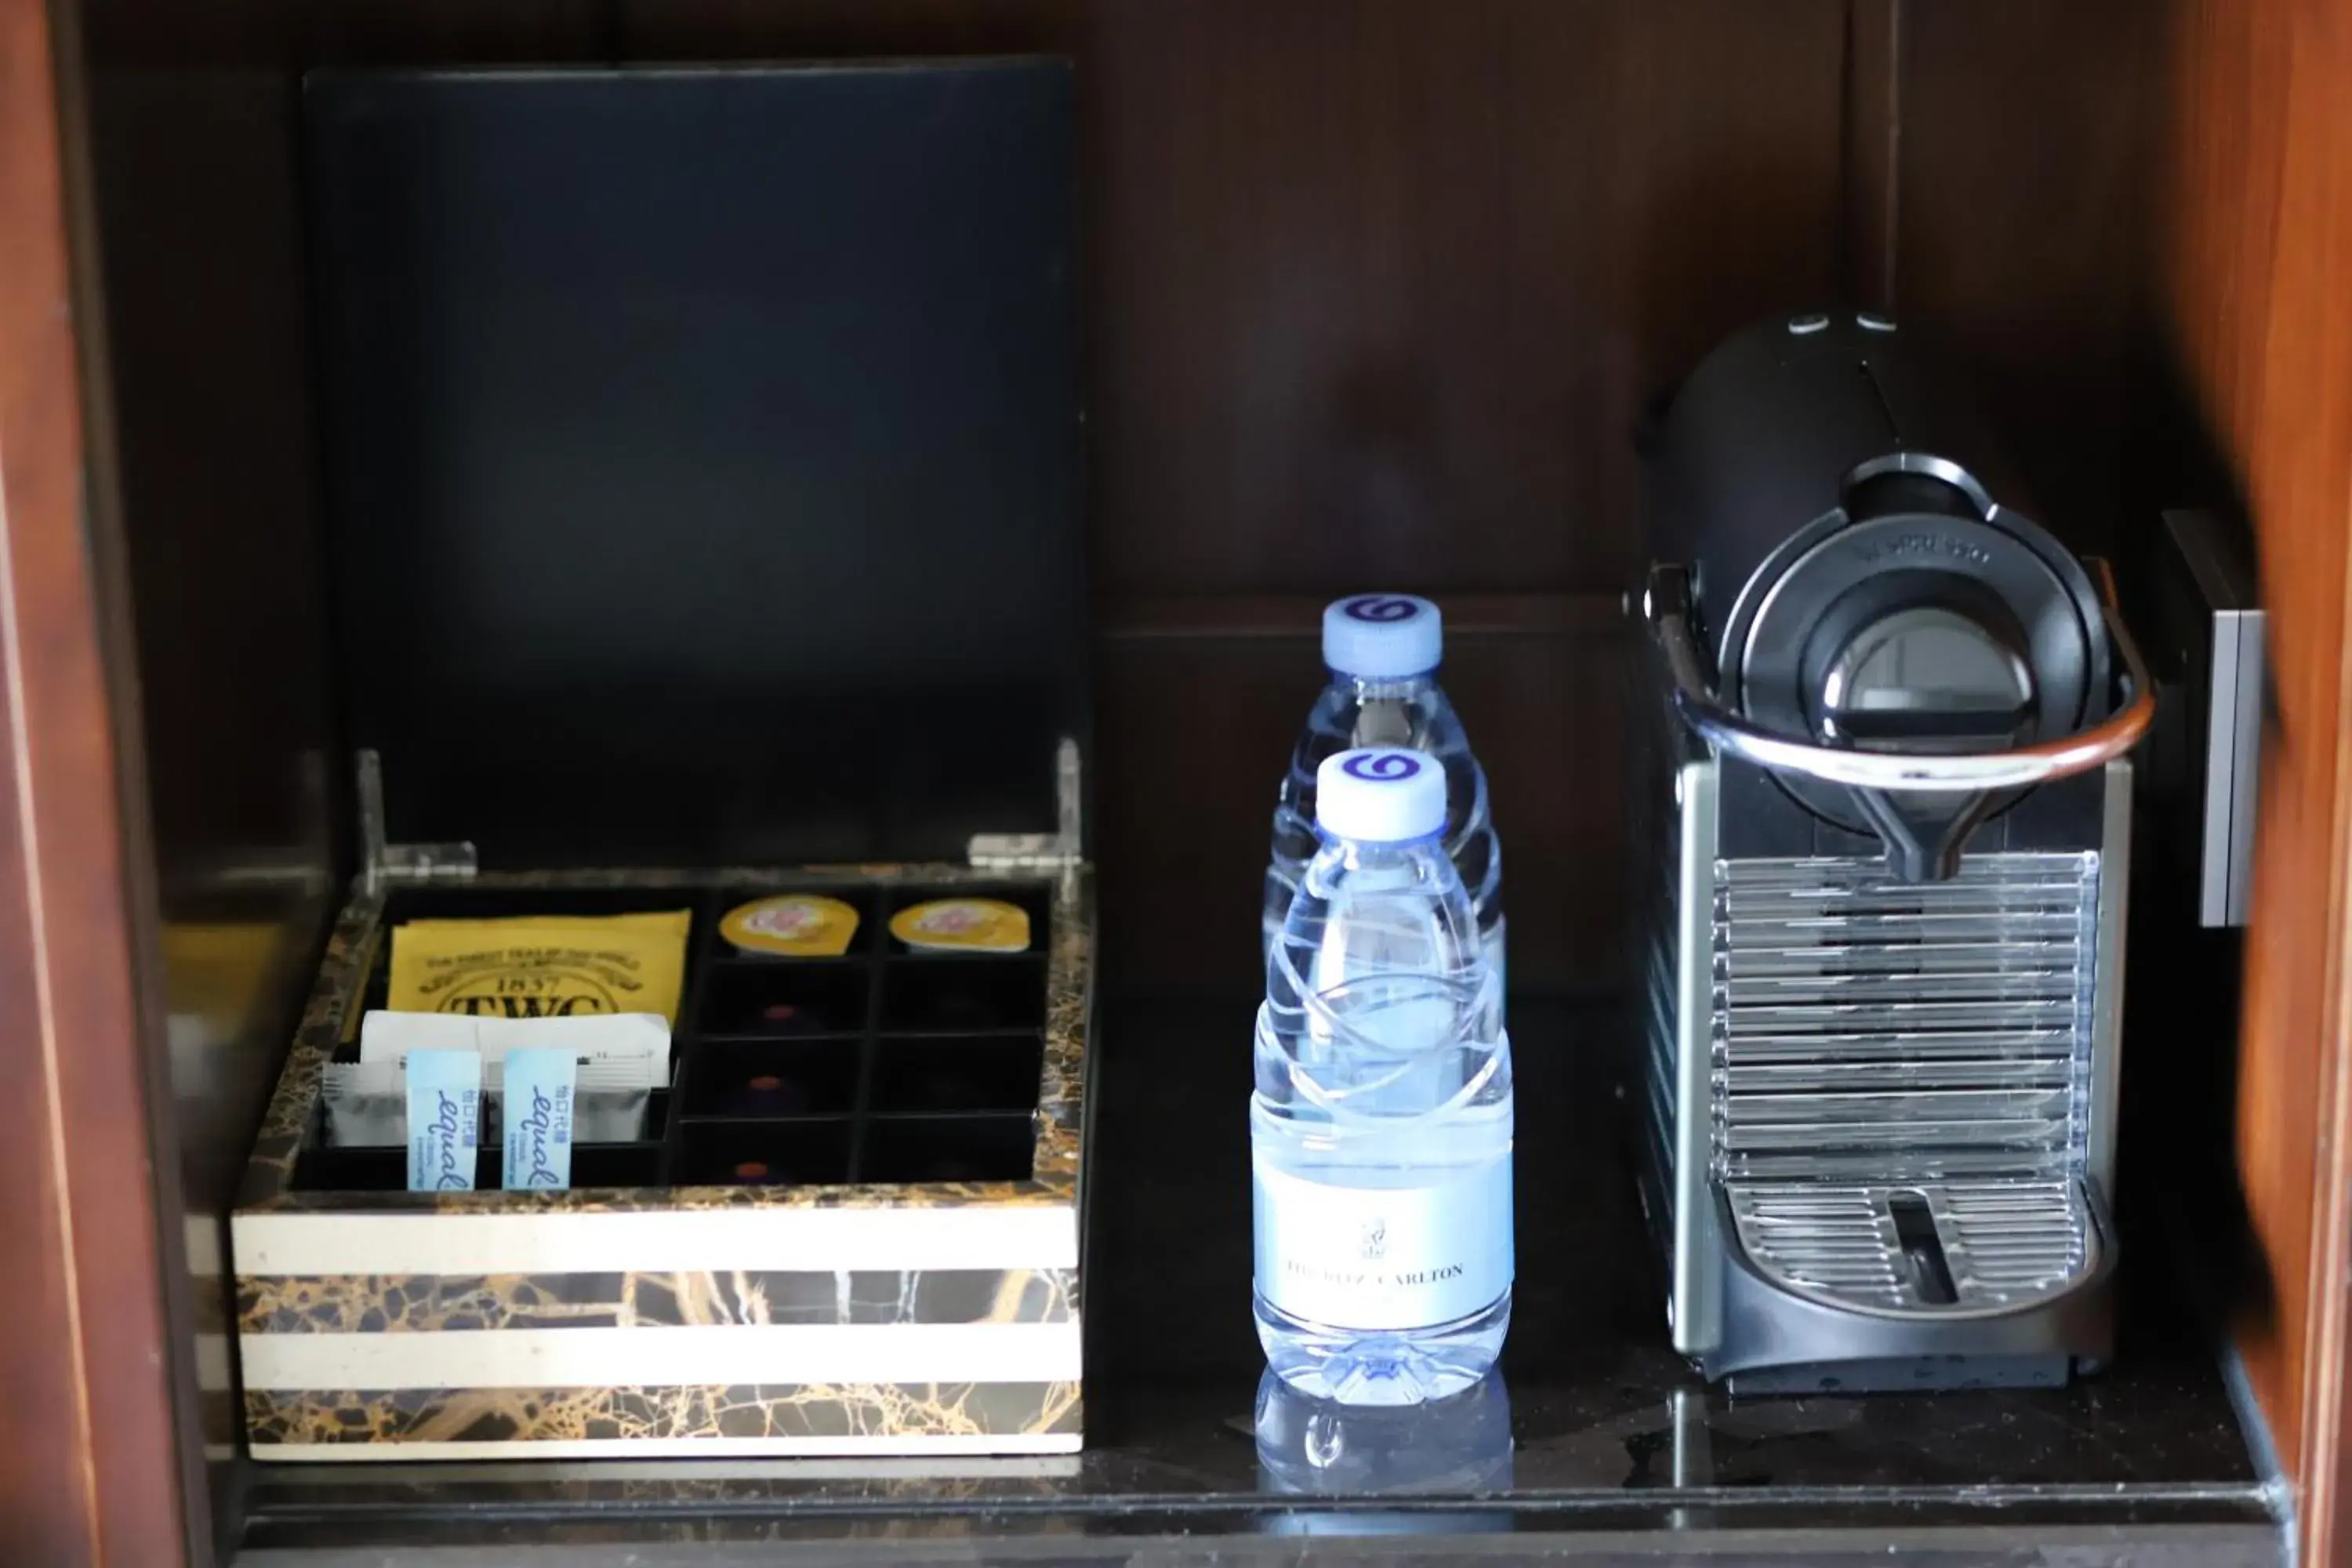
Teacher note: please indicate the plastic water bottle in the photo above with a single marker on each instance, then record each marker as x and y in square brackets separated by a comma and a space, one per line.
[1380, 1131]
[1383, 650]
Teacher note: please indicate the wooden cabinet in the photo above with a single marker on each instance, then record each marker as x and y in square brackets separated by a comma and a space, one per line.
[2254, 250]
[1378, 291]
[100, 1465]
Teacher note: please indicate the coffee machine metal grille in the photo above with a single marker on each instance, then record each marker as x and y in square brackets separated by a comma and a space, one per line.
[1864, 1027]
[1892, 1061]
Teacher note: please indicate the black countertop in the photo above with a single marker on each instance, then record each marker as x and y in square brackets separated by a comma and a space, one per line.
[1597, 1440]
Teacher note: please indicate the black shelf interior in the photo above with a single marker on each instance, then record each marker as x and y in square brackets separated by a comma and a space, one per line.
[1607, 1430]
[885, 1065]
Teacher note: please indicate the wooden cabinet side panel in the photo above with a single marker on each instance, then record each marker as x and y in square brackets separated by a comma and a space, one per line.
[88, 1465]
[2256, 252]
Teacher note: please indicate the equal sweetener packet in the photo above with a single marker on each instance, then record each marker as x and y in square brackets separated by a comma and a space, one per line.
[620, 1060]
[540, 1084]
[623, 1057]
[444, 1092]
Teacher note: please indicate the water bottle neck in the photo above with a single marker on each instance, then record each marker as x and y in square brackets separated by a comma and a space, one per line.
[1386, 689]
[1356, 855]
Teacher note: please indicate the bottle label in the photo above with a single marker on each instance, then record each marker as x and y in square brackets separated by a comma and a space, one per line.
[1384, 1257]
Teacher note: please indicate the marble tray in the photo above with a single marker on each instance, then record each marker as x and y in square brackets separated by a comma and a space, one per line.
[901, 1317]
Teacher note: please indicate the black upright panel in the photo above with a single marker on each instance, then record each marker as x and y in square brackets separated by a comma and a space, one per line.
[703, 453]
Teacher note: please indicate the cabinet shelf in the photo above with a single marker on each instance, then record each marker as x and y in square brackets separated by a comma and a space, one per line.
[1611, 1431]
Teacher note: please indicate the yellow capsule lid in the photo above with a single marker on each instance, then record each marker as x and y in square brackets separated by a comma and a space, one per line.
[969, 925]
[791, 925]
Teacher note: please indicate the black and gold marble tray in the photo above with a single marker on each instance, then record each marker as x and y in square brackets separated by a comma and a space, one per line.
[884, 1259]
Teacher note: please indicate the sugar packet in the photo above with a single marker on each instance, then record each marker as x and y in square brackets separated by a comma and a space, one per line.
[443, 1119]
[539, 1088]
[623, 1057]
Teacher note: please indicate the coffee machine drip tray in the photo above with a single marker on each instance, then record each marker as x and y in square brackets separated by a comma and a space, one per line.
[1934, 1249]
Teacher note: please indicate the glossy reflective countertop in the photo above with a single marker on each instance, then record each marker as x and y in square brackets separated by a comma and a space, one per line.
[1595, 1435]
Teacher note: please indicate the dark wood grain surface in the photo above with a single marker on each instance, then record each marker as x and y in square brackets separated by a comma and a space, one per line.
[2021, 234]
[2254, 252]
[1383, 287]
[92, 1458]
[1872, 193]
[215, 475]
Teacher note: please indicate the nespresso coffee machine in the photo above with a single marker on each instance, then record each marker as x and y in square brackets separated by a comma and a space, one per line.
[1887, 854]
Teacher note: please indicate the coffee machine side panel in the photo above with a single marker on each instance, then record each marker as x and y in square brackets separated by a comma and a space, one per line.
[2107, 978]
[1697, 1251]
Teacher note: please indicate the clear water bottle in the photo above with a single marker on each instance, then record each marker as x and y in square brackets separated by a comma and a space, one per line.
[1383, 650]
[1380, 1131]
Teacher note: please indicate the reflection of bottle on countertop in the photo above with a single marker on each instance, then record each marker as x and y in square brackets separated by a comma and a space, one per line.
[1459, 1445]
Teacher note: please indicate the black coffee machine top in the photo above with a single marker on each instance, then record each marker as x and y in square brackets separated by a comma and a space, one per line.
[1863, 576]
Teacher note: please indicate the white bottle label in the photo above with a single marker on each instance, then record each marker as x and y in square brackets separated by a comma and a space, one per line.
[1384, 1257]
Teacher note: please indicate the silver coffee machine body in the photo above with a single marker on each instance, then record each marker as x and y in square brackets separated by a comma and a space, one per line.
[1889, 811]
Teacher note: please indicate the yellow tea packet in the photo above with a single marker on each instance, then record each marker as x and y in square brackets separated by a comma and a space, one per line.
[791, 925]
[550, 966]
[973, 925]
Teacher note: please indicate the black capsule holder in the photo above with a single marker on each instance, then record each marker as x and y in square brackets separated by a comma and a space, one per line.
[886, 1064]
